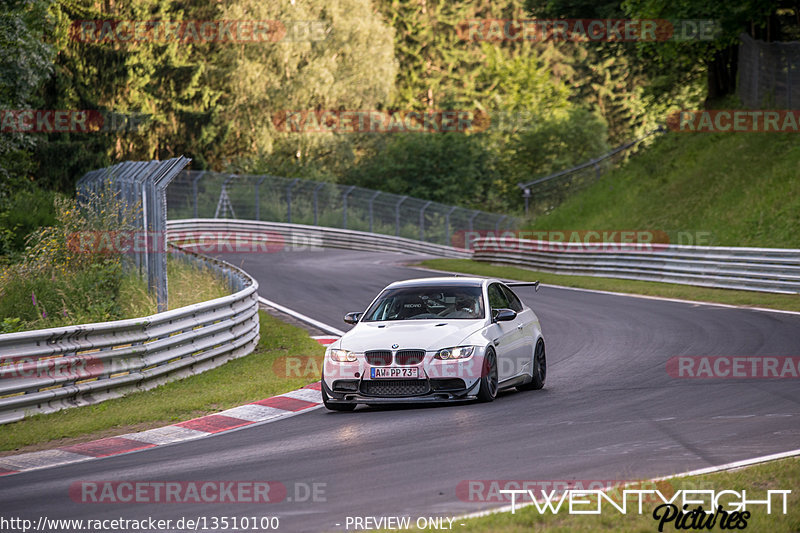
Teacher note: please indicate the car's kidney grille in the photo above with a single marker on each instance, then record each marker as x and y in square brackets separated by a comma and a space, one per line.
[395, 387]
[409, 357]
[379, 357]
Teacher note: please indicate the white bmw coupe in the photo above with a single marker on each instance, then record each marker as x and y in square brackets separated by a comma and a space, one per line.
[435, 340]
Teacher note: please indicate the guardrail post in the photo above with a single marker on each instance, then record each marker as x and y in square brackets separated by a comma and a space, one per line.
[346, 192]
[422, 220]
[289, 199]
[397, 215]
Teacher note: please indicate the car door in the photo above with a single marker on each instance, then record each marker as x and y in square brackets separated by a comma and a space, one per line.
[525, 326]
[505, 335]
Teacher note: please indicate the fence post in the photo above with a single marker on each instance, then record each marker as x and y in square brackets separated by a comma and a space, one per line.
[397, 215]
[194, 190]
[526, 194]
[317, 188]
[788, 80]
[756, 75]
[447, 234]
[146, 227]
[258, 203]
[422, 220]
[158, 182]
[474, 214]
[289, 199]
[346, 192]
[372, 199]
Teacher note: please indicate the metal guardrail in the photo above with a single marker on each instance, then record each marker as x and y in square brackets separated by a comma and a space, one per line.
[754, 269]
[51, 369]
[197, 233]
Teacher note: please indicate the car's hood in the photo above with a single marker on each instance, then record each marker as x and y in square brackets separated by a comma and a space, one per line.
[420, 334]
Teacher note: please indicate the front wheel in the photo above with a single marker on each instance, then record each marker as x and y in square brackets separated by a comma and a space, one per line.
[539, 371]
[488, 389]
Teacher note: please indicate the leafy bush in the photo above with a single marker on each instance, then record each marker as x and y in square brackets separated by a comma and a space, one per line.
[57, 284]
[24, 211]
[451, 168]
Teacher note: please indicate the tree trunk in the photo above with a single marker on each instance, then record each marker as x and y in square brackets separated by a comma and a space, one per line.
[722, 73]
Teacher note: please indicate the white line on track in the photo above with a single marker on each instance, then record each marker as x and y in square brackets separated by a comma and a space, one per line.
[699, 472]
[300, 316]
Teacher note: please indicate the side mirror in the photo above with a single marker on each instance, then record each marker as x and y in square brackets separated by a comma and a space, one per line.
[504, 315]
[352, 318]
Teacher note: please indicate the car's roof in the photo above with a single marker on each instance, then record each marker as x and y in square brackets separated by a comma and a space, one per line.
[449, 281]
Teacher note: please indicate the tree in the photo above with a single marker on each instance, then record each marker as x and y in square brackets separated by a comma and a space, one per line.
[351, 66]
[451, 168]
[25, 63]
[716, 58]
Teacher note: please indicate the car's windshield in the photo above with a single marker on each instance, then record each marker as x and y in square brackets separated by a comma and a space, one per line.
[418, 303]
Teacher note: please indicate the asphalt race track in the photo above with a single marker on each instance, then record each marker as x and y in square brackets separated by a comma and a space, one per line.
[609, 411]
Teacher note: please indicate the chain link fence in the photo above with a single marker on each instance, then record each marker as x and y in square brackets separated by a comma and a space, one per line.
[204, 194]
[139, 188]
[544, 194]
[769, 73]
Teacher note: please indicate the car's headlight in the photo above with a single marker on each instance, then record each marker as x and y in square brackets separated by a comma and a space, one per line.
[342, 356]
[458, 352]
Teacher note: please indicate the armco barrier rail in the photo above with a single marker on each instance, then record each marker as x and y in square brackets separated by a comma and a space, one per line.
[51, 369]
[753, 269]
[279, 235]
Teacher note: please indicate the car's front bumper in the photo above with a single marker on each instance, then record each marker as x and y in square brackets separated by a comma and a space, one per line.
[363, 393]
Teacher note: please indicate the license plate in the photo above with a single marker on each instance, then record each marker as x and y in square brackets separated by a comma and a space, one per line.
[394, 372]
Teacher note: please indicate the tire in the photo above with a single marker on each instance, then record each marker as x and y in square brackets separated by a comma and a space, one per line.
[347, 407]
[488, 389]
[539, 369]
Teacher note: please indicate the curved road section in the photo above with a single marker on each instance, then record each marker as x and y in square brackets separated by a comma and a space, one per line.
[610, 411]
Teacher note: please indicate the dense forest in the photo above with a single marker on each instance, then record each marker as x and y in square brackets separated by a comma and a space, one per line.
[543, 104]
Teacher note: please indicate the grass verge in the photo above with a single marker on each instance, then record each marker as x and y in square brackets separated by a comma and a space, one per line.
[737, 189]
[787, 302]
[783, 474]
[248, 379]
[187, 284]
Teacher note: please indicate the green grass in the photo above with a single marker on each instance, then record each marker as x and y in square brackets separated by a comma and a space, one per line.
[99, 293]
[776, 475]
[244, 380]
[667, 290]
[187, 284]
[741, 188]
